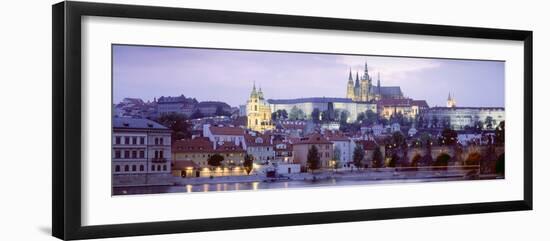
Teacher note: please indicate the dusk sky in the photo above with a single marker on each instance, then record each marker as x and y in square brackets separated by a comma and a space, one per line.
[226, 75]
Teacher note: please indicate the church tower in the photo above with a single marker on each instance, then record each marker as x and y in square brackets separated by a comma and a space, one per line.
[258, 112]
[350, 93]
[451, 103]
[357, 88]
[365, 83]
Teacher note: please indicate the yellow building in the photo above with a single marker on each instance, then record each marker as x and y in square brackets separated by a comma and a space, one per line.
[258, 112]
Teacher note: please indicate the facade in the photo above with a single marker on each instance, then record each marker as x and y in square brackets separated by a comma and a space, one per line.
[346, 147]
[218, 135]
[283, 152]
[258, 112]
[459, 118]
[363, 90]
[301, 147]
[407, 107]
[261, 148]
[177, 104]
[451, 101]
[140, 147]
[307, 105]
[213, 108]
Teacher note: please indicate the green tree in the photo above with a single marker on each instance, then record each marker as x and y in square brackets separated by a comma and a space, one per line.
[377, 158]
[296, 114]
[394, 160]
[178, 124]
[316, 115]
[221, 112]
[358, 156]
[248, 163]
[416, 160]
[337, 157]
[361, 116]
[313, 158]
[215, 160]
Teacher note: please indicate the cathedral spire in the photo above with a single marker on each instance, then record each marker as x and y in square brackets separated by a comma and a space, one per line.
[366, 68]
[350, 78]
[378, 83]
[356, 79]
[449, 98]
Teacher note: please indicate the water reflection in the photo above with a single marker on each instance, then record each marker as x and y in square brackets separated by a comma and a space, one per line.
[253, 186]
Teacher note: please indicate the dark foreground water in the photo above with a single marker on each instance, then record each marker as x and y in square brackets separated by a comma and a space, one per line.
[216, 187]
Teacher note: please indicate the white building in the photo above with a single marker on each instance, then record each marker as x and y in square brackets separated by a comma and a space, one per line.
[261, 148]
[346, 147]
[220, 134]
[141, 151]
[307, 105]
[458, 118]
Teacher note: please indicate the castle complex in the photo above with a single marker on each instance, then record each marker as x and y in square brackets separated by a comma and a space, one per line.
[363, 90]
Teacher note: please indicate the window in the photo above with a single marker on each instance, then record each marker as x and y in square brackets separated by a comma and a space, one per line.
[134, 154]
[126, 140]
[126, 154]
[152, 167]
[117, 140]
[117, 168]
[156, 154]
[141, 154]
[161, 141]
[142, 140]
[164, 168]
[134, 168]
[141, 167]
[126, 168]
[156, 141]
[161, 154]
[134, 140]
[117, 154]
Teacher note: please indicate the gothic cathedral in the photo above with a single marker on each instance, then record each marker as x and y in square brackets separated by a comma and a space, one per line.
[363, 90]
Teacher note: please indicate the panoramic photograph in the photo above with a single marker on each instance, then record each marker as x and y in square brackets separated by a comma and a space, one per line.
[195, 120]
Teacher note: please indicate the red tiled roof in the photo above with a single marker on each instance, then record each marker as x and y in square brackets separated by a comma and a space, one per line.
[194, 145]
[367, 144]
[313, 139]
[231, 131]
[251, 140]
[420, 103]
[229, 147]
[395, 102]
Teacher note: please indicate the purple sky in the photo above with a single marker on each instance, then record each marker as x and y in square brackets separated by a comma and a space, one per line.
[225, 75]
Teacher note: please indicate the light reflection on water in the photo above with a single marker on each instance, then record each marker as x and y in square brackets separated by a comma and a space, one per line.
[253, 186]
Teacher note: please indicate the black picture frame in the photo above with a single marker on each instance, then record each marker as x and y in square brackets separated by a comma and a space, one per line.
[66, 75]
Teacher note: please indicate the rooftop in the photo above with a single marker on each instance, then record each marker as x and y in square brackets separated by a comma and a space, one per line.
[136, 123]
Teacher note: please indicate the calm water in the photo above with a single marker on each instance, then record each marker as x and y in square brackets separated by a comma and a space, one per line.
[262, 185]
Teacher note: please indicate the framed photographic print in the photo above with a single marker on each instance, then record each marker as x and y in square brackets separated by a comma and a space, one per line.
[169, 120]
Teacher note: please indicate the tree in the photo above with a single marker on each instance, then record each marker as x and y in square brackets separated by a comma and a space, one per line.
[215, 160]
[499, 133]
[473, 159]
[221, 112]
[489, 122]
[313, 158]
[398, 139]
[197, 114]
[370, 117]
[377, 158]
[279, 115]
[296, 114]
[360, 117]
[344, 117]
[394, 159]
[178, 124]
[358, 156]
[425, 139]
[449, 137]
[316, 115]
[416, 160]
[336, 157]
[248, 163]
